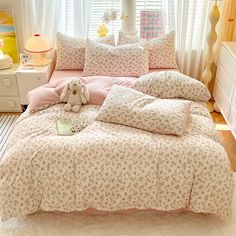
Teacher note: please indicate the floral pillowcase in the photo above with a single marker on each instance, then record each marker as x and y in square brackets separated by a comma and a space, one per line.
[124, 60]
[161, 49]
[172, 84]
[71, 51]
[132, 108]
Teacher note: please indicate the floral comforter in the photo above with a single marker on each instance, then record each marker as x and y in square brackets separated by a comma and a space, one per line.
[113, 167]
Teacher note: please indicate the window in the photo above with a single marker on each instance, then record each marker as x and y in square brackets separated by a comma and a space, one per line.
[99, 6]
[72, 16]
[97, 9]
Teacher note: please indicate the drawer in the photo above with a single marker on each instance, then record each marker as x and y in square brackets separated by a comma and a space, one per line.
[232, 120]
[224, 81]
[27, 82]
[8, 85]
[233, 102]
[10, 104]
[229, 63]
[222, 100]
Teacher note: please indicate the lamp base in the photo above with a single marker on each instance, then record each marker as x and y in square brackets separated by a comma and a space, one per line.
[38, 60]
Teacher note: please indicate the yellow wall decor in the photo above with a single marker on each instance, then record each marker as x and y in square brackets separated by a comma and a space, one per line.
[8, 34]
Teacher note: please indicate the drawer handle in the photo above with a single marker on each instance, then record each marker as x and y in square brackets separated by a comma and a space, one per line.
[6, 82]
[11, 104]
[38, 78]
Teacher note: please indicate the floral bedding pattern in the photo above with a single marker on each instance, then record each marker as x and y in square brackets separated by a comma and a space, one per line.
[71, 51]
[124, 60]
[172, 84]
[130, 107]
[162, 52]
[113, 167]
[161, 49]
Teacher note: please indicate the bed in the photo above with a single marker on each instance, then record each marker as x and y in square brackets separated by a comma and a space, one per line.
[113, 168]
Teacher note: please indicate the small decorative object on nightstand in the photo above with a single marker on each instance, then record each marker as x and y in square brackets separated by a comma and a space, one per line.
[31, 79]
[9, 95]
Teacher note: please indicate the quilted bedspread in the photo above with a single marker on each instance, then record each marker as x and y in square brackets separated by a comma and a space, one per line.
[113, 167]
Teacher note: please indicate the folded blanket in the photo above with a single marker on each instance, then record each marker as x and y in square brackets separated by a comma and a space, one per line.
[132, 108]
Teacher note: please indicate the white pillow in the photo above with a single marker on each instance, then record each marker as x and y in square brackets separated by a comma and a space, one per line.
[71, 51]
[126, 60]
[161, 49]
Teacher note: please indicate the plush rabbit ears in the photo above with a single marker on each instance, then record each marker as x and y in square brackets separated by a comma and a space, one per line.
[84, 95]
[64, 93]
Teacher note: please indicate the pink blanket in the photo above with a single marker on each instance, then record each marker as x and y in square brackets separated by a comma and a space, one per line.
[98, 87]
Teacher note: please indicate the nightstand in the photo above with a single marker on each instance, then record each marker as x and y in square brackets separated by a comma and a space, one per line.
[9, 95]
[28, 79]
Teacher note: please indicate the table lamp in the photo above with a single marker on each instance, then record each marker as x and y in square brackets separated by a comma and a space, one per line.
[38, 45]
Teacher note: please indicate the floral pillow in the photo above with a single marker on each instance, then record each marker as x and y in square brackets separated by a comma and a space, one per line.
[162, 52]
[161, 49]
[172, 84]
[125, 60]
[129, 107]
[71, 51]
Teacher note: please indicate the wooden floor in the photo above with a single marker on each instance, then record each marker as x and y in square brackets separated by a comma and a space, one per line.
[226, 137]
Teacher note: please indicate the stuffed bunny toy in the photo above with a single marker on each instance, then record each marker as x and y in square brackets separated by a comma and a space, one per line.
[74, 95]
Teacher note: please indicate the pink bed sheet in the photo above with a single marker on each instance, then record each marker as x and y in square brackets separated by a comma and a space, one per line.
[57, 74]
[98, 87]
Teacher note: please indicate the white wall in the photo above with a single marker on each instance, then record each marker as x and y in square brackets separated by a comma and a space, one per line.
[15, 5]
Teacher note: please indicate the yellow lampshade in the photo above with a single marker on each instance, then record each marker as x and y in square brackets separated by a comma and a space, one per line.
[38, 44]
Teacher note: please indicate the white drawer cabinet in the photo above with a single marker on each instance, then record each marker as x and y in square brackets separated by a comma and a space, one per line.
[10, 104]
[9, 95]
[222, 100]
[28, 79]
[225, 85]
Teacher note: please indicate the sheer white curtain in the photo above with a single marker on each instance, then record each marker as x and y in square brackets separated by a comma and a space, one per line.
[27, 19]
[189, 19]
[71, 17]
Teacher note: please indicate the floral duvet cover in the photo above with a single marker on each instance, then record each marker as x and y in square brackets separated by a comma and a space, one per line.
[113, 167]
